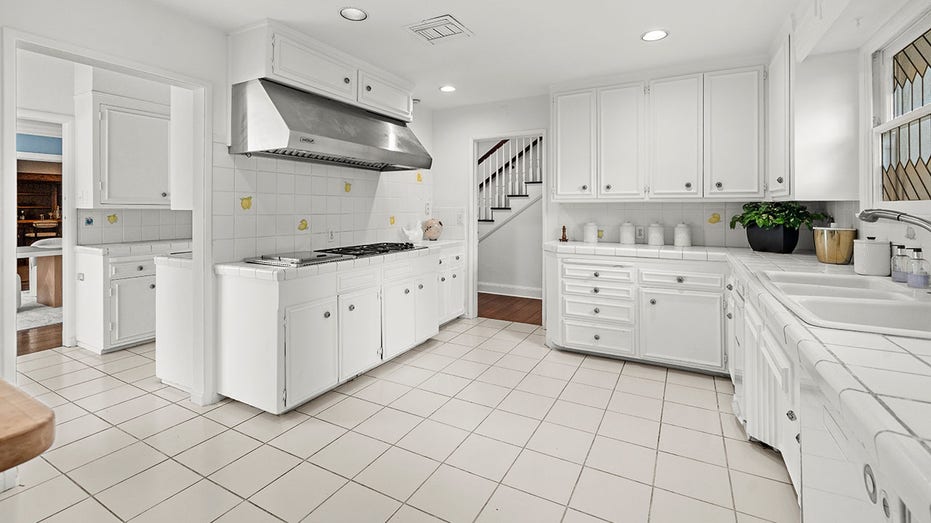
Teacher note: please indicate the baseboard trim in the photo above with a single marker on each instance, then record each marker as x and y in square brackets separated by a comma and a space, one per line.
[519, 291]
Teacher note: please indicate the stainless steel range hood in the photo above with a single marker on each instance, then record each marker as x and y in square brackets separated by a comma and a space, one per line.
[275, 120]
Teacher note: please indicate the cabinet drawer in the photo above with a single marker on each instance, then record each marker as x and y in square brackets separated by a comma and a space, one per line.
[599, 289]
[356, 279]
[451, 260]
[599, 310]
[694, 280]
[599, 337]
[399, 270]
[131, 269]
[614, 272]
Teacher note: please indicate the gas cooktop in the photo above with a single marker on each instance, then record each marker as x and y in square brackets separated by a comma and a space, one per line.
[303, 258]
[370, 249]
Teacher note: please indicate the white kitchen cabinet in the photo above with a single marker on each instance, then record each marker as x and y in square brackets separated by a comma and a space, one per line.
[384, 96]
[359, 332]
[779, 121]
[400, 316]
[682, 327]
[450, 294]
[676, 137]
[122, 152]
[426, 323]
[174, 325]
[132, 310]
[733, 133]
[620, 142]
[574, 123]
[275, 51]
[311, 355]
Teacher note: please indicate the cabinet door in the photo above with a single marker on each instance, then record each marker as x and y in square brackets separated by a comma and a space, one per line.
[400, 316]
[574, 122]
[312, 69]
[427, 318]
[681, 327]
[733, 142]
[620, 141]
[779, 121]
[134, 153]
[132, 309]
[443, 282]
[385, 96]
[676, 131]
[311, 349]
[457, 292]
[359, 332]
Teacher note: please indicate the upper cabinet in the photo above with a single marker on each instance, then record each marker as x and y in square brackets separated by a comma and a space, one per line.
[676, 137]
[122, 141]
[687, 137]
[574, 115]
[277, 52]
[733, 145]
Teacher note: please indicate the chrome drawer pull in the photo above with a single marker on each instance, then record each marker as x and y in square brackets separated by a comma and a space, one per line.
[652, 301]
[597, 337]
[420, 286]
[597, 310]
[597, 274]
[730, 316]
[407, 291]
[326, 314]
[680, 279]
[730, 287]
[595, 290]
[352, 307]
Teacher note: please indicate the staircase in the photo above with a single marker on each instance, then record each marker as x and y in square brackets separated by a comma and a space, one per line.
[510, 180]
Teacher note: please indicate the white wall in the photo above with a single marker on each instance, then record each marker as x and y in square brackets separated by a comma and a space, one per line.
[509, 260]
[44, 83]
[453, 133]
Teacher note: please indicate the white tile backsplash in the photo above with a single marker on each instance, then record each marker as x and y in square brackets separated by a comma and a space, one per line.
[284, 194]
[845, 215]
[131, 225]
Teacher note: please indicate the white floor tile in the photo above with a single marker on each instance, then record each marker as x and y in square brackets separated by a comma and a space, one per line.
[307, 438]
[640, 386]
[156, 421]
[41, 501]
[634, 405]
[252, 472]
[561, 442]
[204, 501]
[408, 514]
[217, 452]
[630, 428]
[265, 426]
[185, 435]
[295, 494]
[545, 476]
[754, 458]
[611, 497]
[114, 468]
[764, 498]
[355, 504]
[88, 449]
[233, 413]
[453, 495]
[549, 387]
[246, 512]
[706, 399]
[349, 454]
[575, 416]
[694, 479]
[445, 384]
[89, 510]
[501, 376]
[673, 508]
[508, 505]
[505, 426]
[527, 404]
[321, 403]
[433, 439]
[349, 412]
[692, 418]
[78, 428]
[382, 392]
[420, 402]
[133, 408]
[622, 459]
[692, 444]
[147, 489]
[484, 456]
[388, 425]
[397, 473]
[483, 393]
[462, 414]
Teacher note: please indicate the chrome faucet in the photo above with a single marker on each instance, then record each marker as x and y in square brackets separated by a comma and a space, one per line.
[872, 215]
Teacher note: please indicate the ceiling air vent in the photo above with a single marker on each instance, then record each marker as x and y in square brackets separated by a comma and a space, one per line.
[440, 29]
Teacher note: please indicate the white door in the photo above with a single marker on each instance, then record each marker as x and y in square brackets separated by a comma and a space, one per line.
[676, 130]
[400, 317]
[311, 68]
[134, 154]
[132, 309]
[733, 133]
[311, 349]
[359, 332]
[779, 121]
[620, 141]
[574, 122]
[681, 327]
[385, 96]
[427, 317]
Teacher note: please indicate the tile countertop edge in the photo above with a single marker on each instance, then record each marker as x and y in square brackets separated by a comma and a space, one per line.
[135, 248]
[812, 348]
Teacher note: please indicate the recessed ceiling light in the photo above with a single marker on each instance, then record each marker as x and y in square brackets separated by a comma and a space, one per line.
[447, 88]
[353, 13]
[654, 35]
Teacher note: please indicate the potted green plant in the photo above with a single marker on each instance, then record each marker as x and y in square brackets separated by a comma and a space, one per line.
[773, 226]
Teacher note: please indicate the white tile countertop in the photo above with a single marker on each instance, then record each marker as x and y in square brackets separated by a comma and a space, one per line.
[268, 272]
[135, 248]
[882, 382]
[182, 260]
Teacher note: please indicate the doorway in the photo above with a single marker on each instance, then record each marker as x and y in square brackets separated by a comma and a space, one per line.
[509, 195]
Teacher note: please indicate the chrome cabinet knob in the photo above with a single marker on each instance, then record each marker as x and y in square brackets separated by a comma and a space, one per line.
[164, 194]
[441, 262]
[680, 279]
[597, 337]
[457, 258]
[443, 278]
[608, 187]
[652, 301]
[352, 307]
[595, 290]
[597, 310]
[718, 185]
[326, 314]
[346, 80]
[730, 287]
[368, 88]
[688, 185]
[454, 276]
[420, 286]
[596, 274]
[730, 316]
[584, 187]
[139, 268]
[407, 291]
[791, 415]
[151, 285]
[780, 179]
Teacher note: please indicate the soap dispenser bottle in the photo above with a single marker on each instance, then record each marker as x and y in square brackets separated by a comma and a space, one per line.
[919, 272]
[900, 263]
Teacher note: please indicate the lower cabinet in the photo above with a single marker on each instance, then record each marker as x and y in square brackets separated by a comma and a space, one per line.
[450, 294]
[311, 358]
[359, 332]
[409, 314]
[682, 327]
[132, 309]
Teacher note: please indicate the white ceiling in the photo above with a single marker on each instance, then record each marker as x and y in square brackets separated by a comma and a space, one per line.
[519, 47]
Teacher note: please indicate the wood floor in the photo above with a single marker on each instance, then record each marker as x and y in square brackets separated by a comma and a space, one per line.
[38, 339]
[510, 308]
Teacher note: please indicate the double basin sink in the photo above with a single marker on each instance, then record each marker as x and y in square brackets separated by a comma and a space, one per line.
[858, 303]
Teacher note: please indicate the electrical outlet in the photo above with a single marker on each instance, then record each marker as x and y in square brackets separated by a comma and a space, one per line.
[331, 236]
[426, 209]
[460, 218]
[640, 234]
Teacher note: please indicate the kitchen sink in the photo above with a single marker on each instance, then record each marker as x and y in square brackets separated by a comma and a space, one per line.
[831, 280]
[880, 316]
[804, 289]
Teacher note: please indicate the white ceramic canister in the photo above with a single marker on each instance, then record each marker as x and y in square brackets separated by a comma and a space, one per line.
[683, 235]
[871, 257]
[590, 232]
[656, 234]
[628, 234]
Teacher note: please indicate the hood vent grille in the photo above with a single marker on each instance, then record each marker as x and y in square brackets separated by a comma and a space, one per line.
[325, 158]
[440, 29]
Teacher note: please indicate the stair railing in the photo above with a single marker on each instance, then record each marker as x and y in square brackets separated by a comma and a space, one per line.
[505, 169]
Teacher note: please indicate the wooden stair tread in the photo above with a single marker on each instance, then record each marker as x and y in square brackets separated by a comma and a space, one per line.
[500, 208]
[27, 426]
[486, 221]
[518, 196]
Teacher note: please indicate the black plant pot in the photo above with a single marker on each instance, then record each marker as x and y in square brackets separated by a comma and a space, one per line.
[778, 239]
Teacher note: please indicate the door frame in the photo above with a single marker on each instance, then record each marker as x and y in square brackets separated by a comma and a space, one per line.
[204, 386]
[471, 308]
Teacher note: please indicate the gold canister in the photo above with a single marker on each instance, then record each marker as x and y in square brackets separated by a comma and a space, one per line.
[834, 244]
